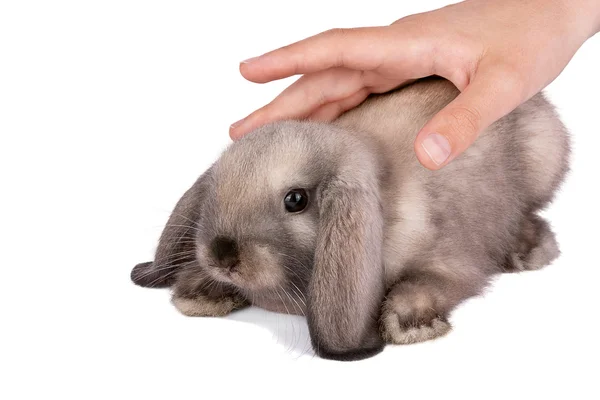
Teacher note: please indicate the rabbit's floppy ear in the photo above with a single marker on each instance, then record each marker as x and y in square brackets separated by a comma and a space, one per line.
[347, 285]
[175, 246]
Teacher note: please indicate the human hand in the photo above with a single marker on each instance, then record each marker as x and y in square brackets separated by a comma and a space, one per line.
[498, 53]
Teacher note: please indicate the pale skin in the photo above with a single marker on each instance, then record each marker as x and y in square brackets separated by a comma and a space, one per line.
[498, 53]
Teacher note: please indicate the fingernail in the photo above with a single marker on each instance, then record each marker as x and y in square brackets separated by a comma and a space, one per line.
[237, 124]
[248, 61]
[437, 148]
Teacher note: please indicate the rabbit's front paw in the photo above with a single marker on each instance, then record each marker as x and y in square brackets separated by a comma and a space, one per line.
[408, 316]
[203, 306]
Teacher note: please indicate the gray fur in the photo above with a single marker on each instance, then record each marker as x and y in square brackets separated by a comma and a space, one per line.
[385, 249]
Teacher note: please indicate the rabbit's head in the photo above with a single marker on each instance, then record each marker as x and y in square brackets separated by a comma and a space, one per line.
[289, 217]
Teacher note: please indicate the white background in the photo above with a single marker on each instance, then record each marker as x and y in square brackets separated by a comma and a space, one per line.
[109, 110]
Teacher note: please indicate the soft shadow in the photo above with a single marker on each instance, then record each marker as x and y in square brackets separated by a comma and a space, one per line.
[289, 331]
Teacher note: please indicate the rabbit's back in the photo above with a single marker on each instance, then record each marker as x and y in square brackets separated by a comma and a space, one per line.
[480, 201]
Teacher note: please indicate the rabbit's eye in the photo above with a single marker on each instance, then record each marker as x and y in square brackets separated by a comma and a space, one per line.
[296, 200]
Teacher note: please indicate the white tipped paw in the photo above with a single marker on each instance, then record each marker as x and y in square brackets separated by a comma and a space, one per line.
[202, 306]
[409, 315]
[397, 332]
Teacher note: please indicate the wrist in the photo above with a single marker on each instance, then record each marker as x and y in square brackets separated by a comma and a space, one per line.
[583, 16]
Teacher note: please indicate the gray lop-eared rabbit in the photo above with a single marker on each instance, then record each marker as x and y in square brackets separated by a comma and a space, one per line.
[341, 223]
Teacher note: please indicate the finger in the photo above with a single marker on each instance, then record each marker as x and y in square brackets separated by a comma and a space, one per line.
[491, 95]
[331, 111]
[302, 98]
[358, 48]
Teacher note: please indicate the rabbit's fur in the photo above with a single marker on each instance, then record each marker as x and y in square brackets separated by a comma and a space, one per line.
[385, 248]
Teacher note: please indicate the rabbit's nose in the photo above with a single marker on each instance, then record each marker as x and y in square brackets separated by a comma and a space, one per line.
[225, 251]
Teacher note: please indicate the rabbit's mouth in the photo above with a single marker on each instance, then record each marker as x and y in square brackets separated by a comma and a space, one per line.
[249, 278]
[262, 273]
[284, 301]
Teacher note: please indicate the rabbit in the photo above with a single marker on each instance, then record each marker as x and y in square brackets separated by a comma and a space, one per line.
[340, 222]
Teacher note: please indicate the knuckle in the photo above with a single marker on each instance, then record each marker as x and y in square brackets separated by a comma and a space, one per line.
[261, 116]
[336, 38]
[336, 32]
[464, 123]
[269, 112]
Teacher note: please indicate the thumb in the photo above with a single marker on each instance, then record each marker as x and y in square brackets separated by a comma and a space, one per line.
[489, 97]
